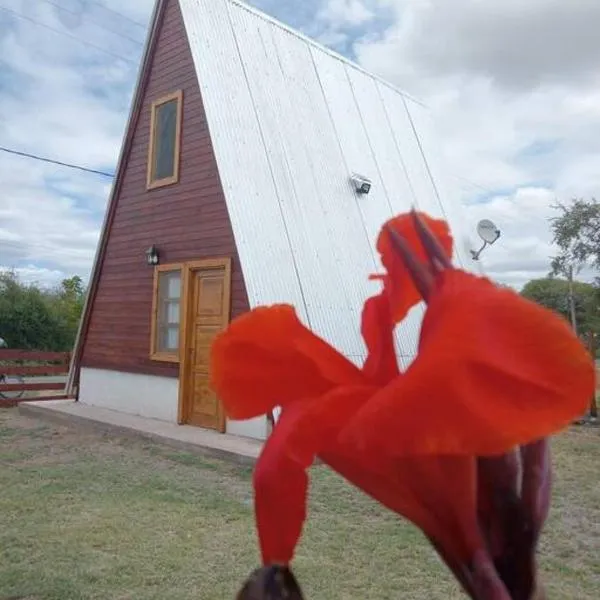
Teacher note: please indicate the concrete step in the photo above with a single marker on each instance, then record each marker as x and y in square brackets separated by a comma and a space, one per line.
[183, 437]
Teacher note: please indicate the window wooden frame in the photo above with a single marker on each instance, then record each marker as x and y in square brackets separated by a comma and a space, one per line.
[155, 353]
[158, 183]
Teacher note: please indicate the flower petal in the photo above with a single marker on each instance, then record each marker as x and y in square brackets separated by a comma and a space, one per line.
[494, 371]
[280, 489]
[268, 358]
[377, 330]
[437, 494]
[280, 479]
[397, 282]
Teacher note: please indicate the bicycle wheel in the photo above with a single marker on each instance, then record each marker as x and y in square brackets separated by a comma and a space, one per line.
[12, 394]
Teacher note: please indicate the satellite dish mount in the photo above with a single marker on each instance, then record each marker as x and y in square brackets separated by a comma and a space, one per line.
[489, 233]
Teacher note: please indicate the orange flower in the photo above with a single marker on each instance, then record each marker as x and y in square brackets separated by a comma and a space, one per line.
[505, 372]
[398, 284]
[493, 371]
[268, 358]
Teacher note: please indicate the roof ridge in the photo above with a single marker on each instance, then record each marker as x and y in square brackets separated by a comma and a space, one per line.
[334, 54]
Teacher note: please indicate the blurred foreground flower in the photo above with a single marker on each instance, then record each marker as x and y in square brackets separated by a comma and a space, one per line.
[457, 444]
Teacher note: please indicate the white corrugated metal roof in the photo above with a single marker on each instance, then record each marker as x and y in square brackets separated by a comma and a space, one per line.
[290, 122]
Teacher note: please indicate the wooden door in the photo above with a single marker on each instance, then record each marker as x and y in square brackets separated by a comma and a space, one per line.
[208, 313]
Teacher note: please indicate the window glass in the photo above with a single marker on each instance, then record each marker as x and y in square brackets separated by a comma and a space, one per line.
[172, 338]
[168, 313]
[164, 141]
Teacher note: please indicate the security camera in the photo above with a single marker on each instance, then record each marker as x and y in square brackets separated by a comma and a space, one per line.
[362, 184]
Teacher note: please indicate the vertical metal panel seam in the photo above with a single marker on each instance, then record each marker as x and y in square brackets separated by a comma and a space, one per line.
[387, 118]
[321, 47]
[433, 183]
[337, 137]
[362, 121]
[260, 128]
[431, 178]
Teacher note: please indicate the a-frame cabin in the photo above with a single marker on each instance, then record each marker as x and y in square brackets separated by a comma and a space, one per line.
[235, 188]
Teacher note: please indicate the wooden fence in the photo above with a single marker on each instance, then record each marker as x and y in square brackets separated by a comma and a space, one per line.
[22, 374]
[591, 341]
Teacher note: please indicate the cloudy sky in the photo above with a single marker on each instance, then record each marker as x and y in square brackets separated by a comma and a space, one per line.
[514, 86]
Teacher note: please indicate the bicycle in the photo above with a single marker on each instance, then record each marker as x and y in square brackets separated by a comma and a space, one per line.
[11, 379]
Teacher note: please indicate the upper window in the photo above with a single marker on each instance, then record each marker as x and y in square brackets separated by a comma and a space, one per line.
[166, 315]
[165, 139]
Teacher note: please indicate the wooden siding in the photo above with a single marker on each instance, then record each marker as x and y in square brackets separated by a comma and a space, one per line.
[186, 221]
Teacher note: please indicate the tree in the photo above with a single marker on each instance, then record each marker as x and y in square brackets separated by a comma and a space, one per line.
[26, 320]
[554, 293]
[67, 302]
[576, 232]
[37, 319]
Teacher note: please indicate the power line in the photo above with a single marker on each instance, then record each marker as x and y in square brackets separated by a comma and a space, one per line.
[114, 12]
[73, 37]
[475, 185]
[55, 162]
[111, 175]
[97, 23]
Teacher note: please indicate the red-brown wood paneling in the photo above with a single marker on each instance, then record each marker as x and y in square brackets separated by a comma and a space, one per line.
[186, 221]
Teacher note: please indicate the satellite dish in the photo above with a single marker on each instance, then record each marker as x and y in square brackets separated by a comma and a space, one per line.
[488, 231]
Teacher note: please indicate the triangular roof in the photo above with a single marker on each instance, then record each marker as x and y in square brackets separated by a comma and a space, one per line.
[290, 121]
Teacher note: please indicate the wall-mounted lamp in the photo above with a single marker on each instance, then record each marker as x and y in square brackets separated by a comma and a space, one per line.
[489, 233]
[152, 256]
[362, 184]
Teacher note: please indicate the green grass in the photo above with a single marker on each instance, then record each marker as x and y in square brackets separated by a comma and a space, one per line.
[85, 515]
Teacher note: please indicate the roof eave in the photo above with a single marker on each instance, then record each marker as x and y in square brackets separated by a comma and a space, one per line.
[136, 106]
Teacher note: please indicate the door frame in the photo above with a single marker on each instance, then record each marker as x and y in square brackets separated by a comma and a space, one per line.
[188, 270]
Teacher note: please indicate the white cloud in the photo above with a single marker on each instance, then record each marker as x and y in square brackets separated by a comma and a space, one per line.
[345, 12]
[43, 225]
[39, 276]
[515, 91]
[66, 99]
[517, 44]
[525, 242]
[514, 87]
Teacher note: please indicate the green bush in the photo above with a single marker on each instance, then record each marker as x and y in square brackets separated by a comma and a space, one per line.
[39, 319]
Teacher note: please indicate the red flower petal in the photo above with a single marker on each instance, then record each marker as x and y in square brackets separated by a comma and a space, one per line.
[494, 370]
[280, 489]
[280, 479]
[435, 493]
[377, 330]
[267, 358]
[397, 282]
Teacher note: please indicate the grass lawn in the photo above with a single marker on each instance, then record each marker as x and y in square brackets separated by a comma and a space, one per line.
[87, 515]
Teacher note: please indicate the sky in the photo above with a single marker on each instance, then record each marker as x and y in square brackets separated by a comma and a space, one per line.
[514, 88]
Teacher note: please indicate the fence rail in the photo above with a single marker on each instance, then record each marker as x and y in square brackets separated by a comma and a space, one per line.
[33, 355]
[22, 374]
[31, 371]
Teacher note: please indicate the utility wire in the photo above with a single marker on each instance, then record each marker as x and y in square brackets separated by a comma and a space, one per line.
[73, 37]
[475, 185]
[97, 23]
[114, 12]
[55, 162]
[103, 173]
